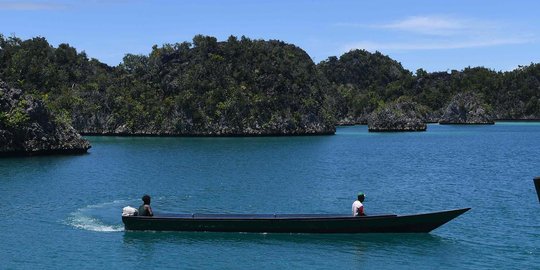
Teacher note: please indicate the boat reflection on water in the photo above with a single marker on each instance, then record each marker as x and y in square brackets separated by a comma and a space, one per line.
[359, 241]
[282, 250]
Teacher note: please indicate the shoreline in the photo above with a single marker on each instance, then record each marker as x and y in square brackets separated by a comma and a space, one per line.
[69, 152]
[517, 120]
[206, 135]
[138, 135]
[460, 124]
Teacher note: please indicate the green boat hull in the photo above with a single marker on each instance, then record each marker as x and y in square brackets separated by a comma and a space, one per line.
[315, 223]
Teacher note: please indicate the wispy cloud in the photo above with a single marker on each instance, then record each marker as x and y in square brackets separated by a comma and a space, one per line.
[17, 5]
[440, 32]
[433, 45]
[434, 25]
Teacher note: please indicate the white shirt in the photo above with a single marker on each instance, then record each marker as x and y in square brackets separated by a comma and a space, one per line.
[357, 208]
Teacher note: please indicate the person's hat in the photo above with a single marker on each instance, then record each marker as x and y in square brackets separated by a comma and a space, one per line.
[361, 194]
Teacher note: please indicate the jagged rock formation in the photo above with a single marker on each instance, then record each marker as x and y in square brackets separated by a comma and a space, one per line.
[466, 108]
[208, 88]
[27, 127]
[353, 120]
[400, 116]
[244, 87]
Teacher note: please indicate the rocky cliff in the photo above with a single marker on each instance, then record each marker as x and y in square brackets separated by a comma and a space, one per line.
[239, 87]
[27, 127]
[466, 108]
[399, 116]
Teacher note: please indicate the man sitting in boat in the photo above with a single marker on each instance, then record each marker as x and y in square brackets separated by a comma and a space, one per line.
[357, 206]
[145, 209]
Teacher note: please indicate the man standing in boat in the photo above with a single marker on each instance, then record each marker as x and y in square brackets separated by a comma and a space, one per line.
[357, 206]
[145, 209]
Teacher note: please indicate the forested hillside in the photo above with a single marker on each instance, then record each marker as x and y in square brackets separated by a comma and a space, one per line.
[365, 81]
[243, 87]
[237, 87]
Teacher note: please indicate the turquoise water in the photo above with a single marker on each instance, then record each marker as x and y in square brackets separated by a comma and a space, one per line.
[64, 212]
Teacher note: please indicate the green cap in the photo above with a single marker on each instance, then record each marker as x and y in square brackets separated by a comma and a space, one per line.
[361, 194]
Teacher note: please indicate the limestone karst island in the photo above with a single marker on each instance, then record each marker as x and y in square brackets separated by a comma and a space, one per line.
[236, 87]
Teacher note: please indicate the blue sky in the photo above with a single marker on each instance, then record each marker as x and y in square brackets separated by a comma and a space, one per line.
[434, 35]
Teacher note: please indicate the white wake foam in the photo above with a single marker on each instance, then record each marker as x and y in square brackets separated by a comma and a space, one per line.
[93, 224]
[101, 217]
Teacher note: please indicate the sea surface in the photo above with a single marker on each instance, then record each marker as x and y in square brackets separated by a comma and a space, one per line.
[63, 212]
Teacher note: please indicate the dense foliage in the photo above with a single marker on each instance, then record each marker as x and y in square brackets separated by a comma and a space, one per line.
[364, 81]
[237, 87]
[65, 79]
[376, 79]
[243, 87]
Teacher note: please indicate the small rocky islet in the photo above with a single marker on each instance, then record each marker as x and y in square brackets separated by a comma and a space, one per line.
[397, 117]
[27, 127]
[467, 109]
[464, 109]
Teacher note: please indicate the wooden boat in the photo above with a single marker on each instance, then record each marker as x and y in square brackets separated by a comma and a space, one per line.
[293, 223]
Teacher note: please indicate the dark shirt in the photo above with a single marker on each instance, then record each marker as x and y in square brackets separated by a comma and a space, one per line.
[143, 211]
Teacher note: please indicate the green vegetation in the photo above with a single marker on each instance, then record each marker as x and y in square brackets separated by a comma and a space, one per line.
[17, 116]
[204, 87]
[241, 87]
[365, 81]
